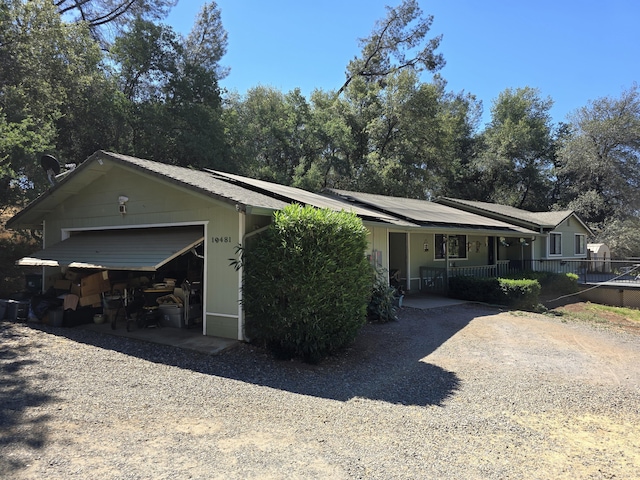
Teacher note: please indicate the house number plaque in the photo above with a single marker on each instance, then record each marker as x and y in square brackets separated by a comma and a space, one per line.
[220, 239]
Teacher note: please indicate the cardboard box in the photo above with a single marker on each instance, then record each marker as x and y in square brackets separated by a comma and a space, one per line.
[75, 289]
[94, 300]
[96, 283]
[72, 275]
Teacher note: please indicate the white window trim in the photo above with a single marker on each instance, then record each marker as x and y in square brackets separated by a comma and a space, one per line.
[576, 235]
[549, 244]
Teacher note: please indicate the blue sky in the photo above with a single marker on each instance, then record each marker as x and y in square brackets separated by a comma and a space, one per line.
[572, 51]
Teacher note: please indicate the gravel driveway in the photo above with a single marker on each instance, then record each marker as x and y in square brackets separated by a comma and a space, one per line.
[462, 392]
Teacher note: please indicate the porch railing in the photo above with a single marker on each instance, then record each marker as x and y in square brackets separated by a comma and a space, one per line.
[435, 279]
[588, 271]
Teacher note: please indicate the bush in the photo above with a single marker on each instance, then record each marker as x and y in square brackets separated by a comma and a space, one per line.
[307, 282]
[382, 304]
[520, 293]
[552, 283]
[12, 278]
[475, 289]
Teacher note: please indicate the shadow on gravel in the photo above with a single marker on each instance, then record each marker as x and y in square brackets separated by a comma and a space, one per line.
[385, 363]
[17, 396]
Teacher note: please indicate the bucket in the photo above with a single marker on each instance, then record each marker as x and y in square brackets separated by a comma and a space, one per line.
[98, 318]
[56, 317]
[3, 309]
[17, 310]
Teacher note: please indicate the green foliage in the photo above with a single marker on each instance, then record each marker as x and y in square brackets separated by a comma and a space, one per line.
[397, 42]
[272, 133]
[47, 68]
[11, 275]
[106, 17]
[551, 283]
[175, 109]
[521, 293]
[517, 293]
[307, 282]
[475, 289]
[382, 304]
[599, 161]
[518, 150]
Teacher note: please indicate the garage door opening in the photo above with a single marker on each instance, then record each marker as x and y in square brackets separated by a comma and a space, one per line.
[145, 277]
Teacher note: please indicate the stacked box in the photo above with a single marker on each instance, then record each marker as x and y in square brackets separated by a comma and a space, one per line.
[92, 287]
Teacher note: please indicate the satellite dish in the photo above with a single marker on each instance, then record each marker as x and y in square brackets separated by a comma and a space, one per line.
[51, 166]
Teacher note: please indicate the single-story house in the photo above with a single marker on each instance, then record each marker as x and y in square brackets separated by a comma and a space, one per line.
[562, 235]
[137, 221]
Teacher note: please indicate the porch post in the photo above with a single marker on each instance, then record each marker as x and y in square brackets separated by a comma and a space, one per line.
[408, 266]
[446, 264]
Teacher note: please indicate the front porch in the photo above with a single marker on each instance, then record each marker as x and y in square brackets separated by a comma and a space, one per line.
[589, 272]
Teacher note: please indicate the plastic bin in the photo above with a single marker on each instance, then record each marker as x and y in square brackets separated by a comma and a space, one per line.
[172, 315]
[17, 310]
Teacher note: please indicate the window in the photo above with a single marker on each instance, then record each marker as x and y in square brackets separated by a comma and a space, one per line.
[456, 244]
[581, 244]
[555, 244]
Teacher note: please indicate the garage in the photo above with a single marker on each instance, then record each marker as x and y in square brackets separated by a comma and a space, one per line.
[145, 277]
[147, 225]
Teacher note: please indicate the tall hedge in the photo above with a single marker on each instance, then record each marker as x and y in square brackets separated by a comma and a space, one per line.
[307, 282]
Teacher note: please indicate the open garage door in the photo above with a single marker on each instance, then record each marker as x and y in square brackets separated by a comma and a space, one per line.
[139, 249]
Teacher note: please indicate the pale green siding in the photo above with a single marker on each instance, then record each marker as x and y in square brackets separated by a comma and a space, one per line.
[378, 245]
[568, 230]
[154, 202]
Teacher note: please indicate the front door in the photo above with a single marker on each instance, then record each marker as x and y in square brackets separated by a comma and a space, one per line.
[398, 256]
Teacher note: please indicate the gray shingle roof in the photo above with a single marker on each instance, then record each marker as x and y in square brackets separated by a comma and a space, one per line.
[539, 219]
[304, 197]
[205, 181]
[425, 212]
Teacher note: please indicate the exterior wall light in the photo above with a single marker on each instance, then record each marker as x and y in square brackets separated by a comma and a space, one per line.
[122, 207]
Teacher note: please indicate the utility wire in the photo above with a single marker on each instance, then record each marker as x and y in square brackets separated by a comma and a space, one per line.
[635, 267]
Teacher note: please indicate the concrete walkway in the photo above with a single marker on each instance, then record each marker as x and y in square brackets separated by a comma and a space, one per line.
[425, 302]
[193, 339]
[187, 338]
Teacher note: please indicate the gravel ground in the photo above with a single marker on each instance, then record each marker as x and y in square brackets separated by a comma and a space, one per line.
[456, 393]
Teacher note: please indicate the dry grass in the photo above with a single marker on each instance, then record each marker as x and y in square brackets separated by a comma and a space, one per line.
[627, 319]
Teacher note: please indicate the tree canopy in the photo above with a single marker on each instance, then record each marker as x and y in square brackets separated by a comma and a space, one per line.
[78, 76]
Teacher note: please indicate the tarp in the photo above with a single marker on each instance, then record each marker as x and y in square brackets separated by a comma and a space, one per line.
[132, 249]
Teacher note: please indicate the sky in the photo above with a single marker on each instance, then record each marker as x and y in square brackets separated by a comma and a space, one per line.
[572, 51]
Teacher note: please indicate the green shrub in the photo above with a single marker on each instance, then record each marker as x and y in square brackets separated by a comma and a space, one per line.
[382, 304]
[551, 283]
[307, 282]
[12, 278]
[520, 293]
[475, 289]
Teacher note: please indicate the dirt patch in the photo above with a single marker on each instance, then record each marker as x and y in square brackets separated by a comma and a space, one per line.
[586, 311]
